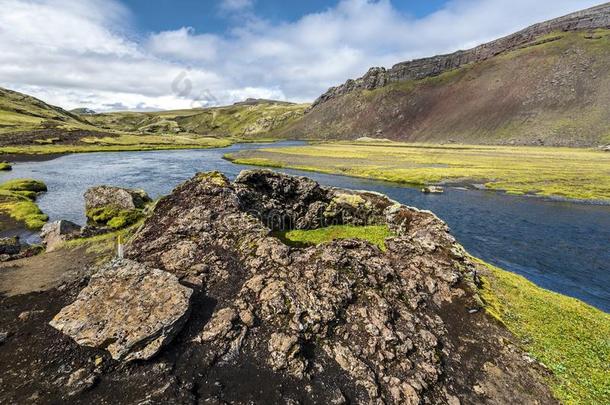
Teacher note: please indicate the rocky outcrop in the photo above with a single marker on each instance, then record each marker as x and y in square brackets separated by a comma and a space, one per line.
[128, 309]
[590, 19]
[55, 233]
[115, 197]
[349, 322]
[12, 248]
[115, 207]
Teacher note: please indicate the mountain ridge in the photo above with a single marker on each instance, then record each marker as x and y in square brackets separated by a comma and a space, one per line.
[591, 18]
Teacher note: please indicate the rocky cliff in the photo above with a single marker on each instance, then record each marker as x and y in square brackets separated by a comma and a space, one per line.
[212, 307]
[546, 85]
[585, 20]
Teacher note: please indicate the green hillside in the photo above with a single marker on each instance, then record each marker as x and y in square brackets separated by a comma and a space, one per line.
[29, 125]
[552, 91]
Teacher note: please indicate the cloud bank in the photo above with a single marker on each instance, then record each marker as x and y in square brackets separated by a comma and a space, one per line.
[85, 53]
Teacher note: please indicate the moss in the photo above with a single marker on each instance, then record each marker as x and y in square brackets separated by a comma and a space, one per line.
[375, 234]
[125, 218]
[26, 212]
[571, 338]
[17, 200]
[32, 185]
[214, 177]
[113, 217]
[5, 166]
[352, 200]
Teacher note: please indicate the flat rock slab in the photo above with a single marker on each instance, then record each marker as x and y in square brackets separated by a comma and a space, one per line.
[128, 309]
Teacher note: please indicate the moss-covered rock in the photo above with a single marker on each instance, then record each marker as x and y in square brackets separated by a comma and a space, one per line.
[115, 207]
[17, 200]
[5, 166]
[36, 186]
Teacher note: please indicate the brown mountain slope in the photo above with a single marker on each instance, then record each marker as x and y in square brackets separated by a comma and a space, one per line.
[539, 86]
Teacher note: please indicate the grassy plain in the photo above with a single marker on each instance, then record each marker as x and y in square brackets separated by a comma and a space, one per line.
[545, 171]
[568, 336]
[127, 142]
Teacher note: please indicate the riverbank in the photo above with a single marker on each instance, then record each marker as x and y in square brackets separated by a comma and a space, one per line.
[123, 143]
[561, 173]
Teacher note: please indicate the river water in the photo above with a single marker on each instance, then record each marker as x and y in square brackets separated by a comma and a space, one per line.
[561, 246]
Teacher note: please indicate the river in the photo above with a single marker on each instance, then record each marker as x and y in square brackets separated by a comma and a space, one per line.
[561, 246]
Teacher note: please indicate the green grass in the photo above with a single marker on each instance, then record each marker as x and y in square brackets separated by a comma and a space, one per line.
[237, 121]
[376, 234]
[570, 173]
[179, 129]
[17, 201]
[26, 212]
[104, 245]
[36, 186]
[120, 145]
[570, 337]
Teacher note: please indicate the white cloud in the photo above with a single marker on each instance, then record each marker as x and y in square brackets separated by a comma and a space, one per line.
[83, 53]
[236, 5]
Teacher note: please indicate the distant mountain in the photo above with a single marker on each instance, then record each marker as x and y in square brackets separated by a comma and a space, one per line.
[247, 120]
[83, 111]
[547, 84]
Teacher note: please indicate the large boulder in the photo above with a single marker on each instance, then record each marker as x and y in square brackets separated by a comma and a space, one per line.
[115, 207]
[55, 233]
[128, 309]
[344, 320]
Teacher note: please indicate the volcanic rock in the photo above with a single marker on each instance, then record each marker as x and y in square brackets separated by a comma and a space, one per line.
[115, 197]
[55, 233]
[342, 317]
[128, 309]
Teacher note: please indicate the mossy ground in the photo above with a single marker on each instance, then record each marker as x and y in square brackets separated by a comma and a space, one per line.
[570, 337]
[114, 218]
[105, 245]
[545, 171]
[121, 143]
[17, 199]
[376, 234]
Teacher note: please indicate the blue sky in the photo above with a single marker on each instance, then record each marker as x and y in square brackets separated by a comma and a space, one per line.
[208, 16]
[150, 55]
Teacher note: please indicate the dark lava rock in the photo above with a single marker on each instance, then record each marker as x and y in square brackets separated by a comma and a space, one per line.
[342, 321]
[12, 249]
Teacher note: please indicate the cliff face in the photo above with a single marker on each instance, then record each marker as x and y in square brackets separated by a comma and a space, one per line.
[589, 19]
[549, 90]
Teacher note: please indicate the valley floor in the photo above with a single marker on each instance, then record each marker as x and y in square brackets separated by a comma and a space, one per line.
[579, 174]
[111, 143]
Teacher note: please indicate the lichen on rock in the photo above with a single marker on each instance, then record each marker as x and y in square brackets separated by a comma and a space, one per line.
[128, 309]
[115, 207]
[379, 319]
